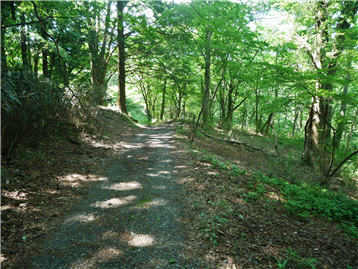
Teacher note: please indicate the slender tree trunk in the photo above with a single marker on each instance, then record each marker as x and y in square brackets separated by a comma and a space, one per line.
[163, 99]
[257, 93]
[154, 102]
[244, 116]
[206, 101]
[179, 102]
[183, 113]
[207, 58]
[121, 59]
[222, 110]
[295, 122]
[230, 107]
[341, 122]
[253, 114]
[269, 122]
[25, 61]
[36, 63]
[4, 65]
[351, 131]
[45, 71]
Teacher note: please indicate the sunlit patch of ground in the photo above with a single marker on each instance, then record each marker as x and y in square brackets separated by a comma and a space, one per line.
[157, 202]
[110, 234]
[276, 197]
[141, 240]
[200, 186]
[3, 258]
[138, 240]
[6, 207]
[115, 202]
[17, 195]
[123, 186]
[81, 218]
[76, 180]
[185, 180]
[181, 166]
[53, 178]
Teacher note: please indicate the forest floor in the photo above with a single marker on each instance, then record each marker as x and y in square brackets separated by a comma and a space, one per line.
[144, 197]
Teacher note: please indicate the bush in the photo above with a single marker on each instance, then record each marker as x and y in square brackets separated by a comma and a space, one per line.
[31, 108]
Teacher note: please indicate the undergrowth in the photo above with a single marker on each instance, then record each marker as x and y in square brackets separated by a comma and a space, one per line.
[301, 199]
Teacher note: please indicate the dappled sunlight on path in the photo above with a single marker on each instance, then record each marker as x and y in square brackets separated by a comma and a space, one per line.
[132, 217]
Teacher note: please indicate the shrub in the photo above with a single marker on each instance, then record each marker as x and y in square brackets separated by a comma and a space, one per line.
[31, 107]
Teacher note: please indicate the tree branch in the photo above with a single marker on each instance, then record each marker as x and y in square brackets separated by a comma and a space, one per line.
[32, 22]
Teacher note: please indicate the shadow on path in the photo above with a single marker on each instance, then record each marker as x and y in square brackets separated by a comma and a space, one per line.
[132, 218]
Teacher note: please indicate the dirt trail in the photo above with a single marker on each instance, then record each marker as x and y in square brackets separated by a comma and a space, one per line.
[133, 217]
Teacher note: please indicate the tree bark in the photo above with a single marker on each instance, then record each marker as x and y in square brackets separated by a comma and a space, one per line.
[25, 61]
[206, 112]
[207, 58]
[351, 131]
[121, 59]
[4, 65]
[44, 52]
[341, 122]
[317, 129]
[163, 99]
[295, 122]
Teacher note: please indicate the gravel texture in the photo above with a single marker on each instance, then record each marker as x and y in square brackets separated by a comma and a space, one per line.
[134, 216]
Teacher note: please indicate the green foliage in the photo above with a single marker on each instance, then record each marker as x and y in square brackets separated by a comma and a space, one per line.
[31, 108]
[349, 173]
[301, 199]
[134, 107]
[301, 261]
[305, 198]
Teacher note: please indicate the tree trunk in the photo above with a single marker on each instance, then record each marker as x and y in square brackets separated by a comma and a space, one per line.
[163, 99]
[295, 122]
[244, 116]
[257, 106]
[36, 62]
[318, 127]
[269, 122]
[25, 61]
[341, 121]
[183, 113]
[179, 103]
[311, 145]
[121, 59]
[45, 71]
[206, 101]
[351, 131]
[4, 66]
[230, 107]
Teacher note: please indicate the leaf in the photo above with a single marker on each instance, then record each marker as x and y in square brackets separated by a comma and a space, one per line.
[241, 216]
[172, 261]
[24, 237]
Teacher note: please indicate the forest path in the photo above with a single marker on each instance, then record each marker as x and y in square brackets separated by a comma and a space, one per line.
[133, 217]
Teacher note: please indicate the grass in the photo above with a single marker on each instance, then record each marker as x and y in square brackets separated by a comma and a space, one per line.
[143, 202]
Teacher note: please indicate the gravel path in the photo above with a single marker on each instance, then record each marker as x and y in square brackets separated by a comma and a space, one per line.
[132, 218]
